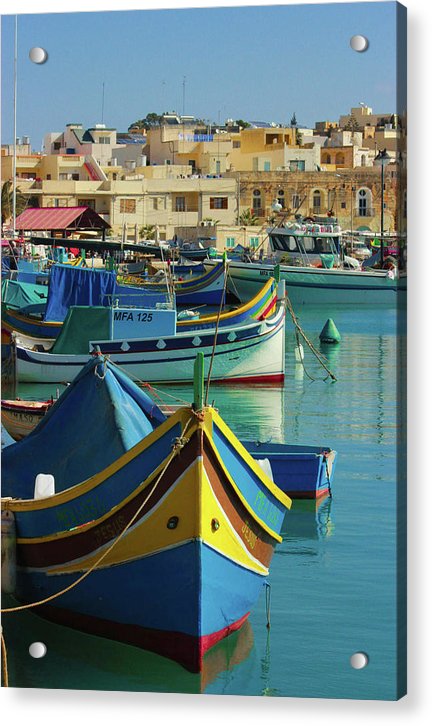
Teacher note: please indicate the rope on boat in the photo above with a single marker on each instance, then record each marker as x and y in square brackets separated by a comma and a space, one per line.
[144, 384]
[317, 354]
[330, 493]
[178, 444]
[4, 661]
[216, 332]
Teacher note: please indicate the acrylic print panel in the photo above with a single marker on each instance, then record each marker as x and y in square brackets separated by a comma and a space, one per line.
[236, 525]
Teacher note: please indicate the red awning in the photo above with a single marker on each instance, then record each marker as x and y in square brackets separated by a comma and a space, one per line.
[59, 218]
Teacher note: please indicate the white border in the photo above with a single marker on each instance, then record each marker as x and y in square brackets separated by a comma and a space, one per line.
[44, 707]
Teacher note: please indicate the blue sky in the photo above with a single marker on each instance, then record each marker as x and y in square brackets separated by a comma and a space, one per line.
[256, 63]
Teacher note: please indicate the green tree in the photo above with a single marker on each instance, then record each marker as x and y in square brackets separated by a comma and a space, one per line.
[299, 138]
[248, 219]
[352, 124]
[243, 124]
[150, 121]
[148, 231]
[7, 201]
[293, 121]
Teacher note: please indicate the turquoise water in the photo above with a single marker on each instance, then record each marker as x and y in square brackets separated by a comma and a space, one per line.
[333, 578]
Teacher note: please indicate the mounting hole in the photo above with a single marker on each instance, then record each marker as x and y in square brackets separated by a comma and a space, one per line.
[359, 660]
[37, 650]
[359, 43]
[38, 55]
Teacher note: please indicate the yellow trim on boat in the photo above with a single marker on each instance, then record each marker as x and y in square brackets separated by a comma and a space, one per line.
[240, 310]
[269, 483]
[77, 490]
[192, 500]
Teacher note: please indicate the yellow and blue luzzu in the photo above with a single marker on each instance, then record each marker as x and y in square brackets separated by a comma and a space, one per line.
[166, 547]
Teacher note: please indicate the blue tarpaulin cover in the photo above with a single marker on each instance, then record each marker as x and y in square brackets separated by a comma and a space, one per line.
[99, 417]
[76, 286]
[88, 287]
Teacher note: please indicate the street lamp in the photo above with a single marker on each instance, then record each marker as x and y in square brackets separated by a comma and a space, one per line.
[382, 159]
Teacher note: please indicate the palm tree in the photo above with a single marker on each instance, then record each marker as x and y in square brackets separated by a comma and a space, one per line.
[248, 219]
[148, 231]
[7, 201]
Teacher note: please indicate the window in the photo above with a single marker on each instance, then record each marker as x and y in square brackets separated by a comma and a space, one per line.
[218, 202]
[87, 203]
[281, 197]
[75, 177]
[364, 203]
[256, 199]
[230, 242]
[363, 160]
[254, 241]
[326, 159]
[236, 144]
[127, 206]
[297, 165]
[63, 177]
[218, 167]
[296, 201]
[104, 140]
[267, 166]
[180, 204]
[57, 145]
[316, 200]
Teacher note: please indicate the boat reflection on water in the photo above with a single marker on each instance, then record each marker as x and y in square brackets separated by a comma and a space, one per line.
[75, 660]
[258, 411]
[308, 520]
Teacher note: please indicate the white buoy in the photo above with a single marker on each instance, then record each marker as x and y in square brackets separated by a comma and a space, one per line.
[44, 486]
[8, 552]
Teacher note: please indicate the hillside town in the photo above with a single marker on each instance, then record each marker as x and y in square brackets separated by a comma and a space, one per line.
[173, 176]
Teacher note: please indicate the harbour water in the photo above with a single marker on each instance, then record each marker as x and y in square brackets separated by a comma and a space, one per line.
[333, 577]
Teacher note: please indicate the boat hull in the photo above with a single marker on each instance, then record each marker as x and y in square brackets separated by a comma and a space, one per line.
[20, 417]
[186, 548]
[248, 353]
[302, 472]
[176, 614]
[315, 286]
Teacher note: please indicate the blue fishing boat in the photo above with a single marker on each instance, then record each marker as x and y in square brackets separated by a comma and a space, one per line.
[302, 472]
[244, 345]
[151, 531]
[70, 286]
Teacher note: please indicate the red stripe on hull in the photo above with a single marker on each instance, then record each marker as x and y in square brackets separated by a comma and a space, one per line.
[186, 650]
[271, 378]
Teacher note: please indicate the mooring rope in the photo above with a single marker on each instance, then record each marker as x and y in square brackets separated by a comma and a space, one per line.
[216, 333]
[179, 443]
[268, 599]
[309, 343]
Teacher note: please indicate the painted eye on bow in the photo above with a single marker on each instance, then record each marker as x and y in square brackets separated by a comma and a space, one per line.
[172, 522]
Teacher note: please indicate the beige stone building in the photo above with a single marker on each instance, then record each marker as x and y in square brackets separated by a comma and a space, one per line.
[352, 195]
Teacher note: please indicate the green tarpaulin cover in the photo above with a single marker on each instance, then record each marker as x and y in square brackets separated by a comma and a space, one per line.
[82, 324]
